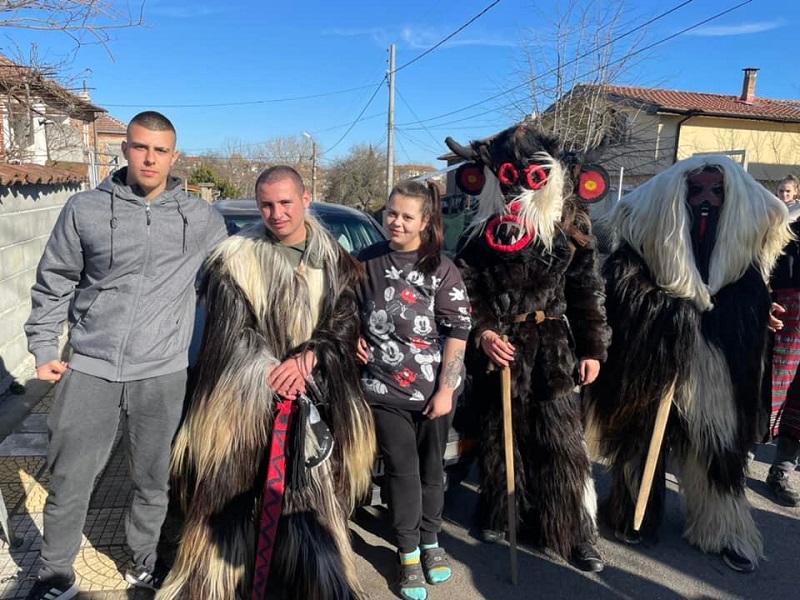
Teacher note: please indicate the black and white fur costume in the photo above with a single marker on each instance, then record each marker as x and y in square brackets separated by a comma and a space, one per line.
[260, 311]
[703, 342]
[556, 274]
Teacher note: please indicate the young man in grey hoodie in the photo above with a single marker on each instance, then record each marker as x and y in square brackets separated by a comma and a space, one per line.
[120, 268]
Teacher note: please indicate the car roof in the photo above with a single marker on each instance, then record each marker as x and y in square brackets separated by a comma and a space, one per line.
[324, 210]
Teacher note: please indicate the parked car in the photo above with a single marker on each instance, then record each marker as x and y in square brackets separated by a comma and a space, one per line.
[353, 229]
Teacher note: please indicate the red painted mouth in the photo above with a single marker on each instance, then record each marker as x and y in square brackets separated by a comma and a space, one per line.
[509, 232]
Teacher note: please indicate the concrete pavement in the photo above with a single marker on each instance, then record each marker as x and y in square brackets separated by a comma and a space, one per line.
[670, 570]
[23, 482]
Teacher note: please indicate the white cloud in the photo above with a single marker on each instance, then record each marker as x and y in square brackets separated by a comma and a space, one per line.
[731, 30]
[378, 34]
[422, 38]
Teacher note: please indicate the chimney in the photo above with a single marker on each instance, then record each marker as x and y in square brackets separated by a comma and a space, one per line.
[749, 85]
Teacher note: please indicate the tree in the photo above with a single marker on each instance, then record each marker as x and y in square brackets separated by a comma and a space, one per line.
[241, 163]
[81, 20]
[359, 179]
[34, 93]
[569, 68]
[201, 173]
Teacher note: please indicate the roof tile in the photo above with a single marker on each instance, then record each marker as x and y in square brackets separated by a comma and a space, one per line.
[716, 104]
[35, 174]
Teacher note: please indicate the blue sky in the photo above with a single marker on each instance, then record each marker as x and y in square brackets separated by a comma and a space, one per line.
[231, 73]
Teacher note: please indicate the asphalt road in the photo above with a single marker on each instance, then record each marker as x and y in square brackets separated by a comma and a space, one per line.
[669, 570]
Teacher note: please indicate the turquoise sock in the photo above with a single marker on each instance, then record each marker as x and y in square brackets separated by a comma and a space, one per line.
[412, 590]
[438, 574]
[424, 547]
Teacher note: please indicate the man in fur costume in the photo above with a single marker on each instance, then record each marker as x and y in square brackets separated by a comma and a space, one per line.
[688, 303]
[280, 329]
[530, 266]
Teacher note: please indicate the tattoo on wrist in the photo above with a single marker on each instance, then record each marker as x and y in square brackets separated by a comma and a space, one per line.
[452, 370]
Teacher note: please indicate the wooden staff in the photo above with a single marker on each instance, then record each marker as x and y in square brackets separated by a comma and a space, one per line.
[652, 456]
[508, 436]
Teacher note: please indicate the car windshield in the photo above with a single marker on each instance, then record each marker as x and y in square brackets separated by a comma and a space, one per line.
[353, 232]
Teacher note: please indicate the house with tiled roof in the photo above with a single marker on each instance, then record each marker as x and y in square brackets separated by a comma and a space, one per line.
[110, 135]
[47, 153]
[44, 123]
[655, 127]
[649, 129]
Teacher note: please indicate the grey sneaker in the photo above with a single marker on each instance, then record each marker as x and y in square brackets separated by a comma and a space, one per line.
[784, 493]
[54, 588]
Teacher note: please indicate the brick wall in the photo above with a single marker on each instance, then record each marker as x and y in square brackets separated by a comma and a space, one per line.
[27, 215]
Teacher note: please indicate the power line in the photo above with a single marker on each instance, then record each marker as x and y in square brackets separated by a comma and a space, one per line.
[424, 145]
[582, 56]
[358, 118]
[246, 103]
[342, 125]
[456, 32]
[408, 106]
[403, 147]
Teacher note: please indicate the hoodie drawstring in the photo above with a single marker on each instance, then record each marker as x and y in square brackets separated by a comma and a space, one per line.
[113, 224]
[185, 223]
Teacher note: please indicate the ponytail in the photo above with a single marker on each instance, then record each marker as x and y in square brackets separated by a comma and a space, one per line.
[430, 251]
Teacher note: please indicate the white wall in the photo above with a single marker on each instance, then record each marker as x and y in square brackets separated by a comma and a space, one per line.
[27, 215]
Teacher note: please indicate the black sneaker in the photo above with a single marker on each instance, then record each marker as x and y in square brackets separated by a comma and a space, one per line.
[145, 577]
[778, 482]
[53, 588]
[737, 562]
[586, 557]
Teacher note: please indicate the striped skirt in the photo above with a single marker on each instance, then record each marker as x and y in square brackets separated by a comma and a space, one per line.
[785, 417]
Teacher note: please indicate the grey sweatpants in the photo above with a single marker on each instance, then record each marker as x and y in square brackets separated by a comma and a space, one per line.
[82, 426]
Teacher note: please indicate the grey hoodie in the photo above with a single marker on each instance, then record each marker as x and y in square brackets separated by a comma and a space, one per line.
[122, 271]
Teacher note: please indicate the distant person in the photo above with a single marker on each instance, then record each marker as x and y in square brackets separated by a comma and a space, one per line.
[120, 268]
[789, 190]
[415, 324]
[785, 417]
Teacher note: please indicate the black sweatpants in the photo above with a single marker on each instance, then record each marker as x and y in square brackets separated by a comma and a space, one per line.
[412, 447]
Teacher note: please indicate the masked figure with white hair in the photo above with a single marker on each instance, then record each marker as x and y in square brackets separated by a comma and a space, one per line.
[530, 266]
[688, 303]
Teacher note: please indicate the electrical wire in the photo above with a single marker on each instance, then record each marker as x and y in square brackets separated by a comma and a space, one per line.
[584, 55]
[411, 110]
[244, 103]
[358, 118]
[452, 35]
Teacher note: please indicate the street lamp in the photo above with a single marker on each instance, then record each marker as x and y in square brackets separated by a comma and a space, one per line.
[313, 166]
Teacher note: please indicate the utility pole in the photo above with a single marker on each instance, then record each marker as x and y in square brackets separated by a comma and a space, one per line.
[390, 133]
[313, 166]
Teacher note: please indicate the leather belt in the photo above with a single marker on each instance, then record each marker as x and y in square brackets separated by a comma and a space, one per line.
[537, 317]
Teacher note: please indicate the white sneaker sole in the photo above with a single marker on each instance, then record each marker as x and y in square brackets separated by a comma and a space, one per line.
[140, 583]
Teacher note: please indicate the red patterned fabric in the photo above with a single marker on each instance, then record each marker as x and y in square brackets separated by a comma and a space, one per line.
[785, 418]
[274, 486]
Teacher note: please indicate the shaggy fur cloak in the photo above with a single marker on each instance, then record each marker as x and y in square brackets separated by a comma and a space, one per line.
[557, 274]
[700, 342]
[261, 311]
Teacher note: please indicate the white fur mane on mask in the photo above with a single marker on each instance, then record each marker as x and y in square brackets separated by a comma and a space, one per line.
[654, 220]
[541, 208]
